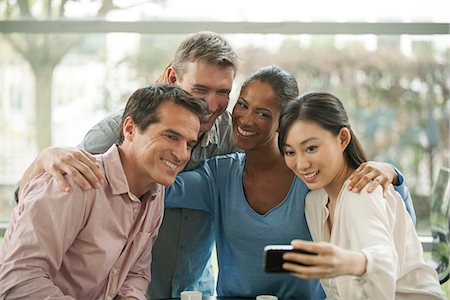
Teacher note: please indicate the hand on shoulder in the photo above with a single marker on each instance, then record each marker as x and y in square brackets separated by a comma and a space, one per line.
[77, 164]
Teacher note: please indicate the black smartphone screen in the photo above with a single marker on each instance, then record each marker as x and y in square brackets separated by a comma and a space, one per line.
[273, 257]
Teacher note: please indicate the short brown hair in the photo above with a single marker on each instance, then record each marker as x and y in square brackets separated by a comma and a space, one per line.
[207, 46]
[142, 106]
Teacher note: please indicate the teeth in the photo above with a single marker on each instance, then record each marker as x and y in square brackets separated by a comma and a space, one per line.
[169, 164]
[245, 133]
[310, 175]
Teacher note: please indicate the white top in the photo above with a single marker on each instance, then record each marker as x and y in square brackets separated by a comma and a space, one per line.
[382, 229]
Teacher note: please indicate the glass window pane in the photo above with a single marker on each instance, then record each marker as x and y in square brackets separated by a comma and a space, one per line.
[394, 87]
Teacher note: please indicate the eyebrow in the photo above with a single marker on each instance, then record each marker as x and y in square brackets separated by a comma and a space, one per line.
[258, 109]
[303, 142]
[174, 132]
[206, 87]
[199, 86]
[224, 90]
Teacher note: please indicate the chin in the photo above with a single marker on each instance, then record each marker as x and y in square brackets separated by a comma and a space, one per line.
[206, 127]
[236, 140]
[240, 145]
[167, 181]
[313, 186]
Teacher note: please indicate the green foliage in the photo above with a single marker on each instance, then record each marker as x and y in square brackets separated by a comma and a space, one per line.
[398, 104]
[154, 54]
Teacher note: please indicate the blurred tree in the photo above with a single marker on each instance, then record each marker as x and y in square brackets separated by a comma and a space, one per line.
[398, 104]
[404, 96]
[153, 55]
[44, 51]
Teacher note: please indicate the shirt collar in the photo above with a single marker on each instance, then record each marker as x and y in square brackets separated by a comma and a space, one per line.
[115, 175]
[210, 137]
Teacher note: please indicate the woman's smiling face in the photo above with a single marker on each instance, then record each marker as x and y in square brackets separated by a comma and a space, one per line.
[255, 116]
[314, 154]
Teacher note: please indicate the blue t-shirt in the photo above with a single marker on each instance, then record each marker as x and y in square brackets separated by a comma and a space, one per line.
[241, 233]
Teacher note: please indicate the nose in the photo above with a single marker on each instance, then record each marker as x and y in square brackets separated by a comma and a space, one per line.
[302, 162]
[246, 118]
[212, 101]
[181, 152]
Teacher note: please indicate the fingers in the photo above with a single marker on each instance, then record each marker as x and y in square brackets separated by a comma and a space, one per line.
[379, 180]
[320, 248]
[89, 156]
[365, 175]
[310, 266]
[373, 174]
[89, 169]
[308, 259]
[83, 176]
[85, 173]
[374, 183]
[305, 272]
[59, 177]
[77, 164]
[356, 177]
[327, 263]
[304, 245]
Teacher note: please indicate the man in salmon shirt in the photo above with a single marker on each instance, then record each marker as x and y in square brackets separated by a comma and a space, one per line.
[97, 243]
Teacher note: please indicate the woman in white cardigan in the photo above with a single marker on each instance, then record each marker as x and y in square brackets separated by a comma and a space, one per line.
[366, 242]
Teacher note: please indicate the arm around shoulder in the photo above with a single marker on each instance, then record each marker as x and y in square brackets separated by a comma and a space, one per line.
[78, 164]
[403, 190]
[103, 135]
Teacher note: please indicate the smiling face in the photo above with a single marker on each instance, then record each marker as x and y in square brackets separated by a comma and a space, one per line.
[255, 116]
[162, 150]
[211, 82]
[315, 155]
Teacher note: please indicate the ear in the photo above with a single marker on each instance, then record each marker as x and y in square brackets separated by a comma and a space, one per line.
[345, 137]
[129, 127]
[170, 75]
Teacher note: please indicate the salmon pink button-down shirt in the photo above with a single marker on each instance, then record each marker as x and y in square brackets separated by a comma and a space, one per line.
[92, 244]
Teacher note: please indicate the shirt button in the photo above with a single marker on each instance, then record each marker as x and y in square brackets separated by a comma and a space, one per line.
[114, 271]
[109, 298]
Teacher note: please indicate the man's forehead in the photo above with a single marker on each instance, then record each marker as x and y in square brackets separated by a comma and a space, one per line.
[201, 68]
[176, 119]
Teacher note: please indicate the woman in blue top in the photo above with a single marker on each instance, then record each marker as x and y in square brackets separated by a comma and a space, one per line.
[254, 197]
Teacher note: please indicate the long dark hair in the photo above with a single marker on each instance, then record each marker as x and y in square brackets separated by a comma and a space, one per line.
[327, 111]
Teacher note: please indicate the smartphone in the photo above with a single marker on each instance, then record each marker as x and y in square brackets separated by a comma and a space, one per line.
[273, 257]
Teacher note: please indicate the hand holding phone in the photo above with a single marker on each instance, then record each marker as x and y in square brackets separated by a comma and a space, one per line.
[273, 257]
